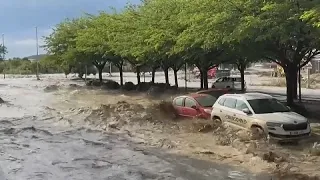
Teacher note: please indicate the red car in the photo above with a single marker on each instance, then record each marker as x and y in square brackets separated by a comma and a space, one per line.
[194, 105]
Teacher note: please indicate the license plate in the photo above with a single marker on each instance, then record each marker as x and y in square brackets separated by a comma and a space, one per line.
[296, 132]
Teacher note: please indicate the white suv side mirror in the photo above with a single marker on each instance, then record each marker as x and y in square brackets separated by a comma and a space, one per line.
[247, 111]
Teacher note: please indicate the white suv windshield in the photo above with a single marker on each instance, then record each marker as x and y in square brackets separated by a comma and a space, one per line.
[263, 106]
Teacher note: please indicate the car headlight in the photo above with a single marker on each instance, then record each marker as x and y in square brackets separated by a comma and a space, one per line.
[272, 124]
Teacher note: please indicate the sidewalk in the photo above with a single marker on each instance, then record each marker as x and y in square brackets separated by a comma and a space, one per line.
[308, 94]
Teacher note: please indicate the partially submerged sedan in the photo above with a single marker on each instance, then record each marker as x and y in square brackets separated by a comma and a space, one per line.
[194, 105]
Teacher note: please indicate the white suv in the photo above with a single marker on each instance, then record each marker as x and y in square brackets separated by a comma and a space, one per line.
[228, 82]
[257, 111]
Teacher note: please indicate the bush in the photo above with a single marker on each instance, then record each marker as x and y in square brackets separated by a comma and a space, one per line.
[96, 83]
[112, 85]
[144, 86]
[129, 86]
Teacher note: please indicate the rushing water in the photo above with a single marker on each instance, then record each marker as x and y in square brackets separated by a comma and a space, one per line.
[36, 145]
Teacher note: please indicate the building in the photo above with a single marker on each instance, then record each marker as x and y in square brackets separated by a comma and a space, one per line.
[315, 64]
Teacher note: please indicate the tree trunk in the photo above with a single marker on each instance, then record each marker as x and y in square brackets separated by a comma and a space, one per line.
[100, 67]
[295, 86]
[205, 78]
[153, 74]
[242, 77]
[201, 79]
[175, 77]
[121, 75]
[100, 73]
[291, 79]
[138, 74]
[166, 75]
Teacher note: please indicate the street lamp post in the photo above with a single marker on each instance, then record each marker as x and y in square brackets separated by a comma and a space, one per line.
[3, 57]
[37, 71]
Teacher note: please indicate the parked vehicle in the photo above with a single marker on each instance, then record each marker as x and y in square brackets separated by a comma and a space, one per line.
[194, 105]
[261, 113]
[211, 72]
[228, 82]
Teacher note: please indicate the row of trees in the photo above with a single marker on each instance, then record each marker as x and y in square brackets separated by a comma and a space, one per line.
[46, 65]
[169, 33]
[26, 66]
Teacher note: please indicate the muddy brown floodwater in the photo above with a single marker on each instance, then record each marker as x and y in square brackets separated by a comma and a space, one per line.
[51, 130]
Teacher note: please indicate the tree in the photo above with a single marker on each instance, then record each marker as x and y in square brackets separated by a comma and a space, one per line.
[62, 43]
[159, 19]
[287, 40]
[3, 51]
[201, 39]
[312, 16]
[126, 41]
[242, 54]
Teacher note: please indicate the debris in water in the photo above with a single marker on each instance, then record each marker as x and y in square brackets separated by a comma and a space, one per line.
[207, 152]
[206, 128]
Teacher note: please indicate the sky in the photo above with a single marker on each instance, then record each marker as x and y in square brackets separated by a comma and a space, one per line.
[20, 17]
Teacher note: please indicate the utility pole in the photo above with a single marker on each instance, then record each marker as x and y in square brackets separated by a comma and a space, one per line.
[3, 57]
[37, 71]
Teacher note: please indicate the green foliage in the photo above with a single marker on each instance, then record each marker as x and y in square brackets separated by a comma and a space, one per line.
[205, 33]
[3, 51]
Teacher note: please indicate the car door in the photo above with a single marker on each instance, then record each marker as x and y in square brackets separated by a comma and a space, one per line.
[229, 109]
[178, 104]
[189, 110]
[219, 110]
[242, 119]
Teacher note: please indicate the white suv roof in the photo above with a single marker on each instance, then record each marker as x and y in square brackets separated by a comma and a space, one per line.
[248, 96]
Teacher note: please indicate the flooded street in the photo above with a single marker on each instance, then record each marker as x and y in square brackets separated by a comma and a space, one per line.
[41, 139]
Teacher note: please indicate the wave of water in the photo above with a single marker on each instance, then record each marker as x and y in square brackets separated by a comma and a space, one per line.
[34, 146]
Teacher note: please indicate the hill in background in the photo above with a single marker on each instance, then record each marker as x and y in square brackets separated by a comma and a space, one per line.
[35, 57]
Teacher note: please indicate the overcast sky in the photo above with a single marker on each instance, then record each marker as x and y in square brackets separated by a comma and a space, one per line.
[18, 19]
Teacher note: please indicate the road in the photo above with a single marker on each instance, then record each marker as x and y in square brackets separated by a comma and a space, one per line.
[280, 92]
[307, 94]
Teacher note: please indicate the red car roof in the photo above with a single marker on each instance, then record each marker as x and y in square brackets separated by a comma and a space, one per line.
[194, 95]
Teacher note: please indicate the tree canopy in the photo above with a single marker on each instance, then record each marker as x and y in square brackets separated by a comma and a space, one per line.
[205, 33]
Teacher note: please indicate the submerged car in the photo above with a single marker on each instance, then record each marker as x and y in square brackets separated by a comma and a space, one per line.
[262, 113]
[194, 105]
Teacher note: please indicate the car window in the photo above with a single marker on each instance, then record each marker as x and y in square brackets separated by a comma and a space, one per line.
[271, 105]
[189, 103]
[206, 101]
[237, 79]
[225, 79]
[219, 80]
[230, 103]
[178, 101]
[221, 101]
[240, 105]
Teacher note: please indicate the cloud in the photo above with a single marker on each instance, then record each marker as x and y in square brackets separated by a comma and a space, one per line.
[25, 44]
[19, 17]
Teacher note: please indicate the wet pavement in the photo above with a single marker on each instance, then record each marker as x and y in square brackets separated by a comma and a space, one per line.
[37, 144]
